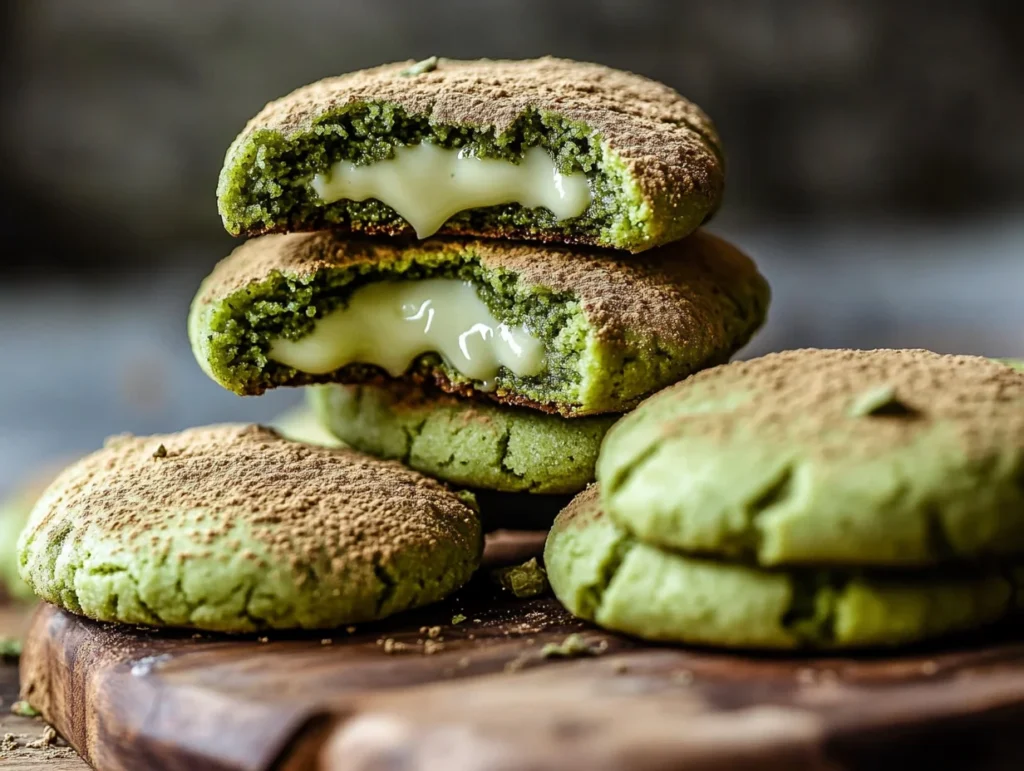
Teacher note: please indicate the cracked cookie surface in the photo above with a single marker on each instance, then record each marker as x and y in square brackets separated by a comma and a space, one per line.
[838, 457]
[235, 529]
[603, 574]
[465, 442]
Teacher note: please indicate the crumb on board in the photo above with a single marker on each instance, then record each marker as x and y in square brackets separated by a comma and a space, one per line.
[457, 619]
[524, 581]
[10, 648]
[572, 646]
[24, 709]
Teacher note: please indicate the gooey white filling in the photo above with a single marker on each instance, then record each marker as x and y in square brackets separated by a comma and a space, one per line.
[390, 324]
[427, 184]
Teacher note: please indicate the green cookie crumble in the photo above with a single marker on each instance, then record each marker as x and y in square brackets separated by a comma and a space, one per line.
[465, 442]
[10, 649]
[602, 574]
[613, 330]
[652, 159]
[893, 458]
[524, 581]
[236, 529]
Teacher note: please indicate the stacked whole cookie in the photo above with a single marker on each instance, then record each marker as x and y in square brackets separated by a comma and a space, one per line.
[381, 269]
[807, 498]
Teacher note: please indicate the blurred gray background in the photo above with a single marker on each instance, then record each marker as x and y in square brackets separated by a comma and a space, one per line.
[876, 170]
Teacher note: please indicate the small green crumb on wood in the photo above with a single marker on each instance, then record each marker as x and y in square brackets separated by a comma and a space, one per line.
[524, 581]
[571, 647]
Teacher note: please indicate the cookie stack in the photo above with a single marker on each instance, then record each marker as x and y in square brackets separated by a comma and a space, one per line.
[480, 266]
[806, 499]
[493, 364]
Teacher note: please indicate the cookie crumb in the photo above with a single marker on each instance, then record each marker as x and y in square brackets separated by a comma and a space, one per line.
[434, 632]
[880, 400]
[457, 619]
[929, 668]
[420, 68]
[327, 641]
[24, 709]
[620, 668]
[350, 629]
[262, 639]
[47, 739]
[572, 646]
[10, 649]
[160, 452]
[391, 645]
[524, 581]
[431, 647]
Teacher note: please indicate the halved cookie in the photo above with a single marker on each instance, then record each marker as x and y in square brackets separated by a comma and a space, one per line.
[545, 149]
[571, 331]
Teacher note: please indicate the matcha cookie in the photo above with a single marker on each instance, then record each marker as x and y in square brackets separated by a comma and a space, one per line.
[553, 328]
[601, 573]
[301, 424]
[14, 513]
[887, 457]
[465, 442]
[236, 529]
[548, 149]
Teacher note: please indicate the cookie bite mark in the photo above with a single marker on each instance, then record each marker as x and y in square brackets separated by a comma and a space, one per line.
[571, 331]
[545, 149]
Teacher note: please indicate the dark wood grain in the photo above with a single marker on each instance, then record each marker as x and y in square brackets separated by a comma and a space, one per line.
[27, 750]
[481, 695]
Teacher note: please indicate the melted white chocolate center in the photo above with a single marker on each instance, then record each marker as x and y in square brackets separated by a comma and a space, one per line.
[427, 184]
[389, 324]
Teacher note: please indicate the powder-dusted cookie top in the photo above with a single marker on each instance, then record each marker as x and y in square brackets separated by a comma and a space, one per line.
[315, 536]
[653, 318]
[654, 151]
[883, 457]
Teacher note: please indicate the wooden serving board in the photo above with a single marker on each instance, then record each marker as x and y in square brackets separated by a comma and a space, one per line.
[480, 694]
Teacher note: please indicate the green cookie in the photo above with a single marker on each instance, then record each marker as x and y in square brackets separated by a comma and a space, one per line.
[465, 442]
[602, 574]
[235, 529]
[1015, 363]
[577, 332]
[897, 458]
[301, 424]
[14, 513]
[596, 155]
